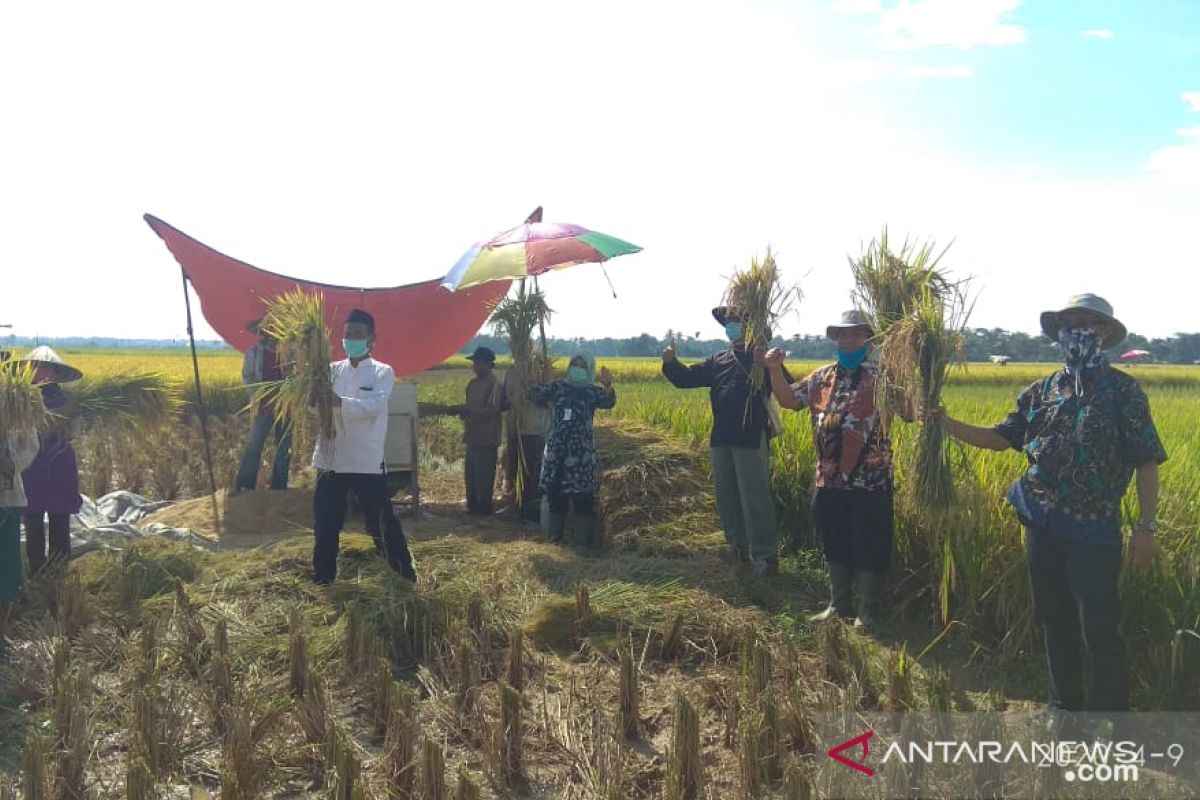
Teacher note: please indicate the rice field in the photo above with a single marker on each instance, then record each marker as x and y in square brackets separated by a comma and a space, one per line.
[967, 570]
[519, 668]
[970, 569]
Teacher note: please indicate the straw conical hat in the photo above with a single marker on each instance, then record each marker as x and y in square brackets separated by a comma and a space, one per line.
[44, 356]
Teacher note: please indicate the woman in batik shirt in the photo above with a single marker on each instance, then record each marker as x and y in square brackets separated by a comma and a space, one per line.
[570, 469]
[852, 504]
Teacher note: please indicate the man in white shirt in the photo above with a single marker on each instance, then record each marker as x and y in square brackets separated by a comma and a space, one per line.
[353, 459]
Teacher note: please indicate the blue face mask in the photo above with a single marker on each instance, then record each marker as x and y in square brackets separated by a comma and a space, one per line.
[852, 360]
[577, 376]
[733, 330]
[355, 348]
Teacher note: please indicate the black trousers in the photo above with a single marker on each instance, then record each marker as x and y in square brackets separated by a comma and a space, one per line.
[584, 503]
[531, 448]
[855, 526]
[479, 470]
[329, 515]
[35, 540]
[1076, 602]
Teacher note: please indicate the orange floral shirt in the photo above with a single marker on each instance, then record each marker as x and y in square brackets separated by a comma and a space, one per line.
[853, 452]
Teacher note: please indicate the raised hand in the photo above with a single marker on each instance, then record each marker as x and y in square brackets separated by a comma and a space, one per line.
[773, 358]
[668, 355]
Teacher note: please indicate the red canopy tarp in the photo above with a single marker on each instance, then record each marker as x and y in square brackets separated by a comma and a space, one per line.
[417, 326]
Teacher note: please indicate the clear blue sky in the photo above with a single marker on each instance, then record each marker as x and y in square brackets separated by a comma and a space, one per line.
[1056, 143]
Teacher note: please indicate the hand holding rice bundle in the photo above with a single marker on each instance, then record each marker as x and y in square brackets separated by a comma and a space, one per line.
[296, 321]
[21, 405]
[918, 316]
[517, 319]
[754, 299]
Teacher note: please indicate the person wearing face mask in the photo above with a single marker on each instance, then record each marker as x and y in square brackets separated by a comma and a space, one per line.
[739, 444]
[570, 469]
[52, 480]
[1085, 431]
[852, 501]
[353, 460]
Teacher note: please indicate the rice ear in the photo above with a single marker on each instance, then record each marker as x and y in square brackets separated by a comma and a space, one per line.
[21, 405]
[296, 321]
[758, 297]
[919, 316]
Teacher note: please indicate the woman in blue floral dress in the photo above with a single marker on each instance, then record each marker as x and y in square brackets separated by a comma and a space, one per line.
[570, 469]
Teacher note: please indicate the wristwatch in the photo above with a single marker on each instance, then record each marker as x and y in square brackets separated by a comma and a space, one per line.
[1147, 525]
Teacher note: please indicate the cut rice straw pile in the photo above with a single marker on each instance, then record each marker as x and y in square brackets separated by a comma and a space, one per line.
[296, 321]
[129, 402]
[918, 316]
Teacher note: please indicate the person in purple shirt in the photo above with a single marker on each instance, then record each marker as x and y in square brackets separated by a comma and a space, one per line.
[52, 480]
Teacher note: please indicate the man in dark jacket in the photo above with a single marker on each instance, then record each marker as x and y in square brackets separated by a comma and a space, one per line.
[740, 442]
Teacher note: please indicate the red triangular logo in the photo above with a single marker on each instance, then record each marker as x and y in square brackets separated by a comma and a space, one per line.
[858, 764]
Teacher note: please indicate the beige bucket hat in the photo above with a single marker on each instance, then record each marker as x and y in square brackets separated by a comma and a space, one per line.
[1092, 304]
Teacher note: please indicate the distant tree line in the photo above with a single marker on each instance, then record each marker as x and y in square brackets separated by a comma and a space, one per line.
[982, 343]
[105, 342]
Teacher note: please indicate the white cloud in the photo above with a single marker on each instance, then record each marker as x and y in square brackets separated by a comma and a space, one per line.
[1098, 33]
[961, 24]
[955, 71]
[1178, 164]
[857, 7]
[1192, 99]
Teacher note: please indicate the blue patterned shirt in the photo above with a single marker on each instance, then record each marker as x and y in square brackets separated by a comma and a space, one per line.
[1082, 451]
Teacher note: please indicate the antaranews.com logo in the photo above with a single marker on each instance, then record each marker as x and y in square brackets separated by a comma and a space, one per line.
[939, 755]
[1095, 761]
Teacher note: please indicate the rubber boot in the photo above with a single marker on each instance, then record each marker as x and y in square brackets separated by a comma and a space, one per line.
[588, 529]
[841, 594]
[554, 524]
[870, 598]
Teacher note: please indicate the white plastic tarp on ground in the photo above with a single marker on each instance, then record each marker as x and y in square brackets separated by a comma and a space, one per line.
[104, 523]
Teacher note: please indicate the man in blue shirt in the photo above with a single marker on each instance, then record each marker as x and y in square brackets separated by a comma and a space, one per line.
[1085, 431]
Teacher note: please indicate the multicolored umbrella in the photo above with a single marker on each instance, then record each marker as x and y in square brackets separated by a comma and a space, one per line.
[1130, 355]
[531, 249]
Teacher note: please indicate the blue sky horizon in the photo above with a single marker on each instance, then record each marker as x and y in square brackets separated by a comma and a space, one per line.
[1057, 145]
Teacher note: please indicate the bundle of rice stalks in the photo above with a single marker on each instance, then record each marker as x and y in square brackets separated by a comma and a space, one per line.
[21, 406]
[887, 284]
[918, 315]
[685, 771]
[918, 352]
[124, 402]
[433, 771]
[35, 765]
[296, 320]
[518, 319]
[511, 732]
[758, 297]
